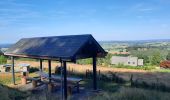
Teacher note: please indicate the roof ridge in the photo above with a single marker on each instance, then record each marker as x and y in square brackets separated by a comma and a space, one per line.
[59, 36]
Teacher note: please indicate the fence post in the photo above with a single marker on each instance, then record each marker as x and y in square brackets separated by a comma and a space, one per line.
[72, 70]
[131, 79]
[86, 73]
[99, 74]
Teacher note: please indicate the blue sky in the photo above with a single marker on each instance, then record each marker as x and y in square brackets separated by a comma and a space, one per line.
[104, 19]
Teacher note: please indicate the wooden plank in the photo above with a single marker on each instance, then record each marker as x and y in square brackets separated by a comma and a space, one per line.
[57, 77]
[49, 70]
[41, 65]
[65, 79]
[13, 70]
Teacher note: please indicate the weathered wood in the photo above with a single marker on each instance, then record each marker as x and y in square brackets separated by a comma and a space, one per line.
[49, 70]
[69, 90]
[13, 70]
[65, 79]
[34, 84]
[23, 80]
[50, 87]
[99, 76]
[131, 79]
[41, 69]
[94, 74]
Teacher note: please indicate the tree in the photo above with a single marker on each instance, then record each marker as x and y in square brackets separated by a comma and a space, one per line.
[3, 59]
[104, 61]
[156, 58]
[144, 57]
[168, 56]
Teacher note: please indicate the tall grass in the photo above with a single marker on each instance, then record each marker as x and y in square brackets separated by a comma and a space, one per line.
[146, 67]
[6, 78]
[132, 94]
[7, 93]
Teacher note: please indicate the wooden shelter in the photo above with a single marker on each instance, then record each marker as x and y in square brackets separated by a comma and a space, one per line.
[58, 48]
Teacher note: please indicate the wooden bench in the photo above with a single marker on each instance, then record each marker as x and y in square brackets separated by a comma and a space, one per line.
[72, 82]
[34, 81]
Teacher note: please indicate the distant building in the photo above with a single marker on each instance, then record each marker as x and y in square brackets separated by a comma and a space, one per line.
[132, 61]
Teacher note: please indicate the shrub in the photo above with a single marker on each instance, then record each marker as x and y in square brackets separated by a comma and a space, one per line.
[165, 64]
[33, 69]
[156, 58]
[3, 59]
[168, 56]
[84, 61]
[134, 67]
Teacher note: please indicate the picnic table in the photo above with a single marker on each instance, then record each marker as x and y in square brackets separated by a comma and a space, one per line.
[5, 68]
[72, 80]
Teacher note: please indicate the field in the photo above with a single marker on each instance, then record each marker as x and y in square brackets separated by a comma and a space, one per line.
[115, 83]
[162, 76]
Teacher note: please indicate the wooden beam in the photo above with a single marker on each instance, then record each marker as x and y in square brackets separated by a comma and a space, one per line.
[61, 72]
[41, 65]
[65, 79]
[13, 70]
[68, 59]
[49, 70]
[94, 74]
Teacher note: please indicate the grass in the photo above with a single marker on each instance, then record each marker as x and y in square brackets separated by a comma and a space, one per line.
[6, 78]
[110, 89]
[126, 93]
[162, 70]
[7, 93]
[146, 67]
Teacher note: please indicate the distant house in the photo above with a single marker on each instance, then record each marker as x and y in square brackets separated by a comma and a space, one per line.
[132, 61]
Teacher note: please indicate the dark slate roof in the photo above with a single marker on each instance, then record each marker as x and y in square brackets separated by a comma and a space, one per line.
[57, 47]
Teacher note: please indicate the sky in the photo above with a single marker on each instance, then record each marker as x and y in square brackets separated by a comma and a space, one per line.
[104, 19]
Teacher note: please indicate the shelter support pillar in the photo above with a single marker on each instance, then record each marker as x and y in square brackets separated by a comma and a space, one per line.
[13, 70]
[49, 70]
[41, 64]
[94, 74]
[65, 79]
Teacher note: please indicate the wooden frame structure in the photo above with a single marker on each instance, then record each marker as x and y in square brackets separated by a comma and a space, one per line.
[58, 48]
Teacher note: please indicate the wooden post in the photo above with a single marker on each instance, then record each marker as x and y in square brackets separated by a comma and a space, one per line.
[131, 79]
[99, 75]
[49, 70]
[86, 73]
[61, 72]
[34, 84]
[65, 79]
[94, 74]
[13, 70]
[41, 65]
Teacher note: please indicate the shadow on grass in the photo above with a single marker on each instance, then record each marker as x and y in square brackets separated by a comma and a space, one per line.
[7, 93]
